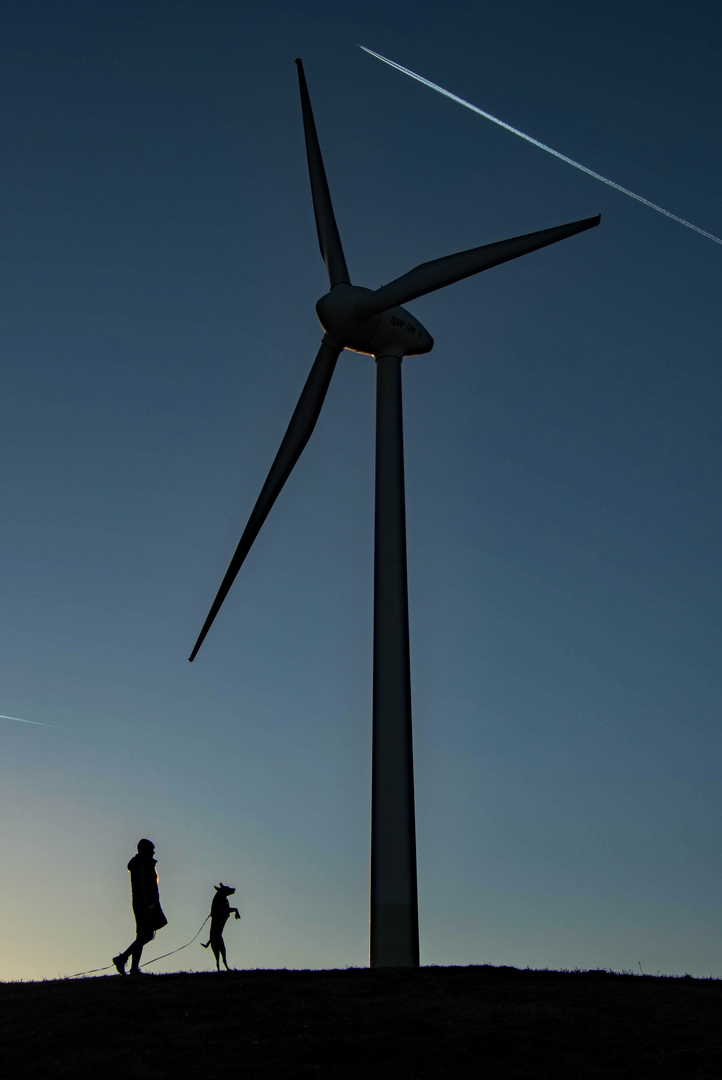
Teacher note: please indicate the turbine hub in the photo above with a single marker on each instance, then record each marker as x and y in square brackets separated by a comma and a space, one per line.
[394, 332]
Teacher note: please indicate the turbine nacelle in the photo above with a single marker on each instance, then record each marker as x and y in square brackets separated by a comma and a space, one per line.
[394, 332]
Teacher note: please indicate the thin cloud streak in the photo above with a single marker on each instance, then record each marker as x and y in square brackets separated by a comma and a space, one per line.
[20, 720]
[541, 145]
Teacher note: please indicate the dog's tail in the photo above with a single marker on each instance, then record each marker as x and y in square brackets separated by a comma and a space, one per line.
[205, 945]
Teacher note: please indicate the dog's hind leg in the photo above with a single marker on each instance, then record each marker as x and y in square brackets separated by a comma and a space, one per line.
[223, 954]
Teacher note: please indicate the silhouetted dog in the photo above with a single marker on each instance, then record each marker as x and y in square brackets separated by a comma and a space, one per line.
[220, 913]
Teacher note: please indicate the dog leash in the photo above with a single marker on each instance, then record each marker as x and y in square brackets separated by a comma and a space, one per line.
[162, 957]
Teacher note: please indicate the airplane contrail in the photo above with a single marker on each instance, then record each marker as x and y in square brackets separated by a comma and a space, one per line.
[21, 721]
[541, 145]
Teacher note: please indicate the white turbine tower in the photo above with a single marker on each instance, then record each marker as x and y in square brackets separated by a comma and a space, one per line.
[372, 322]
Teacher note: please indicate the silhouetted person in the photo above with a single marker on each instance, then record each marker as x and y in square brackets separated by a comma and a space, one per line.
[148, 913]
[220, 913]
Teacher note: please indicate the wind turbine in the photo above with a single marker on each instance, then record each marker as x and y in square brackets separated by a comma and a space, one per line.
[372, 322]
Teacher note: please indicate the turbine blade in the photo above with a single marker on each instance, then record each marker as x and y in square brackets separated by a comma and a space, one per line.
[299, 431]
[328, 239]
[429, 276]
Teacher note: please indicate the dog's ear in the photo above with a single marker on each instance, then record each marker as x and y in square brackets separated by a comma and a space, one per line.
[218, 887]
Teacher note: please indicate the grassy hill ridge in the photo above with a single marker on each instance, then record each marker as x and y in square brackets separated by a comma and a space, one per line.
[399, 1023]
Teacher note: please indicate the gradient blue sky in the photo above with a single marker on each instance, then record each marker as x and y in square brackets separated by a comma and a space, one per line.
[159, 273]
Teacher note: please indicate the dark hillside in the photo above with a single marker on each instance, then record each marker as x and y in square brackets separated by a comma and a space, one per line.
[433, 1022]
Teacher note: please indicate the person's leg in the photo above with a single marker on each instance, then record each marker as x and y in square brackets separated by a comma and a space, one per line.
[136, 949]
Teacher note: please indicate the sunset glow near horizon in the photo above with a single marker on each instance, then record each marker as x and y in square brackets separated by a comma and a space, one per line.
[160, 269]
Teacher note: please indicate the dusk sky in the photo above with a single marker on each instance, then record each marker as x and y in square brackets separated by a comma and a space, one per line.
[160, 268]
